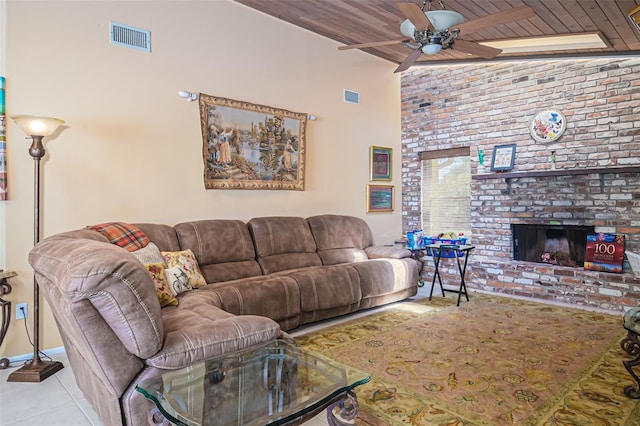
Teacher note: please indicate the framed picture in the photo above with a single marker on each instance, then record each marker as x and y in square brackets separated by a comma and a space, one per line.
[379, 198]
[380, 163]
[503, 157]
[249, 146]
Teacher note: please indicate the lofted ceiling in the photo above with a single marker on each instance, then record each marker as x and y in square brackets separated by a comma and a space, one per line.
[363, 21]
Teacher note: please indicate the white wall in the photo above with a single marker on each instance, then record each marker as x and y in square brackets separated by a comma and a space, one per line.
[132, 148]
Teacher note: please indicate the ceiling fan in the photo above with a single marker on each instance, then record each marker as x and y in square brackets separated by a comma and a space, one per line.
[433, 30]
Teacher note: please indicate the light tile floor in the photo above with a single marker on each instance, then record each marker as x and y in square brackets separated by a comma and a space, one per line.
[59, 401]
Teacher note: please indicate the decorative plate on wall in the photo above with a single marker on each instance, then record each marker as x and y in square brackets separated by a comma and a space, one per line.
[548, 125]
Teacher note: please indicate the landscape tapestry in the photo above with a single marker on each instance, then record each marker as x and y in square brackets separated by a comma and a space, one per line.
[249, 146]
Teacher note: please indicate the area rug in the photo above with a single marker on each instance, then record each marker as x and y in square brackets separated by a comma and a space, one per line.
[490, 361]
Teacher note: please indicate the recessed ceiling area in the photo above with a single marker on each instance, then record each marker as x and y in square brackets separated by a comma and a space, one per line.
[365, 21]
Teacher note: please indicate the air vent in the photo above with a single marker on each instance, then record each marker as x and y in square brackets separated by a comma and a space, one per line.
[135, 38]
[351, 97]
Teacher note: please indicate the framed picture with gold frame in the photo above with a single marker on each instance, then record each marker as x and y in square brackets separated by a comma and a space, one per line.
[379, 198]
[380, 163]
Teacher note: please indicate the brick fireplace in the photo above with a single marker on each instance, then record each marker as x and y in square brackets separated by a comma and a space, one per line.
[594, 180]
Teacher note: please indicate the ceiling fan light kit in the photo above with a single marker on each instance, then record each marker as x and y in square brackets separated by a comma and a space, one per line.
[435, 30]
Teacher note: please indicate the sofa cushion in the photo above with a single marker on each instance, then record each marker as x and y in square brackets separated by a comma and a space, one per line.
[283, 243]
[164, 236]
[326, 287]
[223, 248]
[193, 335]
[386, 276]
[340, 239]
[276, 297]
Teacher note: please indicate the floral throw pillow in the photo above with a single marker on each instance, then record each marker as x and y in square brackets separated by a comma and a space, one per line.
[178, 280]
[163, 291]
[187, 261]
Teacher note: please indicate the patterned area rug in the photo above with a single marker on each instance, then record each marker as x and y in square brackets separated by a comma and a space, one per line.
[491, 361]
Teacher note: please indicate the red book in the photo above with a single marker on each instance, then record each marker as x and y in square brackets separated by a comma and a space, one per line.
[604, 252]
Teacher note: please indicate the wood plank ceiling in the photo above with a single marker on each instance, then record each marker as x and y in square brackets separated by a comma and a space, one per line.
[362, 21]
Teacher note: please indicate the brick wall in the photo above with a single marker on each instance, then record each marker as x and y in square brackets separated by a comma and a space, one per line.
[483, 105]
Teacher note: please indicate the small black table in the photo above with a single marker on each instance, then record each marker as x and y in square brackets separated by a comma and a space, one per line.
[631, 345]
[459, 251]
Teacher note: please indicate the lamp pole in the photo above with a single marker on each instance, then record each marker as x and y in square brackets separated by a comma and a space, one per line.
[36, 370]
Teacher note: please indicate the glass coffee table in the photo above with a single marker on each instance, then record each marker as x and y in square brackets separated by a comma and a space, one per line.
[275, 384]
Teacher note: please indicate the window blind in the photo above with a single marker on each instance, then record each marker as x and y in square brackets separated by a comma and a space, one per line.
[446, 192]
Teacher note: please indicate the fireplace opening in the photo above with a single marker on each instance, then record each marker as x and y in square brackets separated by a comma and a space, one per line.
[562, 245]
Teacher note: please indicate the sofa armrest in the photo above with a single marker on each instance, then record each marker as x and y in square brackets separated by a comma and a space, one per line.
[111, 279]
[387, 252]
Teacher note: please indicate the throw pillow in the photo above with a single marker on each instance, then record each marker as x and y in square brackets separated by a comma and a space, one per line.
[178, 280]
[187, 261]
[149, 254]
[125, 235]
[163, 291]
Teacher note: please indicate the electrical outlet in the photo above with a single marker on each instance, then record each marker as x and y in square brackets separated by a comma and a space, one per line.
[21, 311]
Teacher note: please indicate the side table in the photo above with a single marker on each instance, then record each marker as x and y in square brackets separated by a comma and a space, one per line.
[631, 345]
[5, 288]
[459, 251]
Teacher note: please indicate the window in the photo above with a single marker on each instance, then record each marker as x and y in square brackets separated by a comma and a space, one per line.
[446, 191]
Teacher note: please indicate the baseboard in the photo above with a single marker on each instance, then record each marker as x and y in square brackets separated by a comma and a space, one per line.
[48, 352]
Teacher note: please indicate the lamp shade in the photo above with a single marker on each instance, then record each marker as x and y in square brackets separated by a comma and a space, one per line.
[444, 19]
[37, 126]
[408, 29]
[431, 49]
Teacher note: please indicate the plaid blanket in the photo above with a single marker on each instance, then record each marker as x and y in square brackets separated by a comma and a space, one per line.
[125, 235]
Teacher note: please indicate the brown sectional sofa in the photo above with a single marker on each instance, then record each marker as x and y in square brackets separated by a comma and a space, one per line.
[263, 277]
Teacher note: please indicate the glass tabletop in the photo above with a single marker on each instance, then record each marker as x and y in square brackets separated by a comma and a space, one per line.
[271, 385]
[632, 320]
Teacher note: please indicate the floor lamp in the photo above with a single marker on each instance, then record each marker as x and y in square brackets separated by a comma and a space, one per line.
[36, 370]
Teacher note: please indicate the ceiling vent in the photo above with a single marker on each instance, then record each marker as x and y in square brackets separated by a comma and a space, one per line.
[351, 97]
[135, 38]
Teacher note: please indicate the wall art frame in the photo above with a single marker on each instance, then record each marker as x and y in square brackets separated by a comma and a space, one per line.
[251, 146]
[380, 198]
[380, 163]
[503, 157]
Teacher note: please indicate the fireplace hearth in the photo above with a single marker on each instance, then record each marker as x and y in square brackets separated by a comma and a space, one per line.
[562, 245]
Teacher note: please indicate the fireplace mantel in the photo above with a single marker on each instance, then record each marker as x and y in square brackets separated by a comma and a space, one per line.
[557, 172]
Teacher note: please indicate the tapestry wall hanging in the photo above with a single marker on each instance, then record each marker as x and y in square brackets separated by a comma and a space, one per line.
[249, 146]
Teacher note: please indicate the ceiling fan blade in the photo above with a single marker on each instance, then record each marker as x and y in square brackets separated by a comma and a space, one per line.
[410, 60]
[475, 49]
[372, 44]
[511, 15]
[417, 17]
